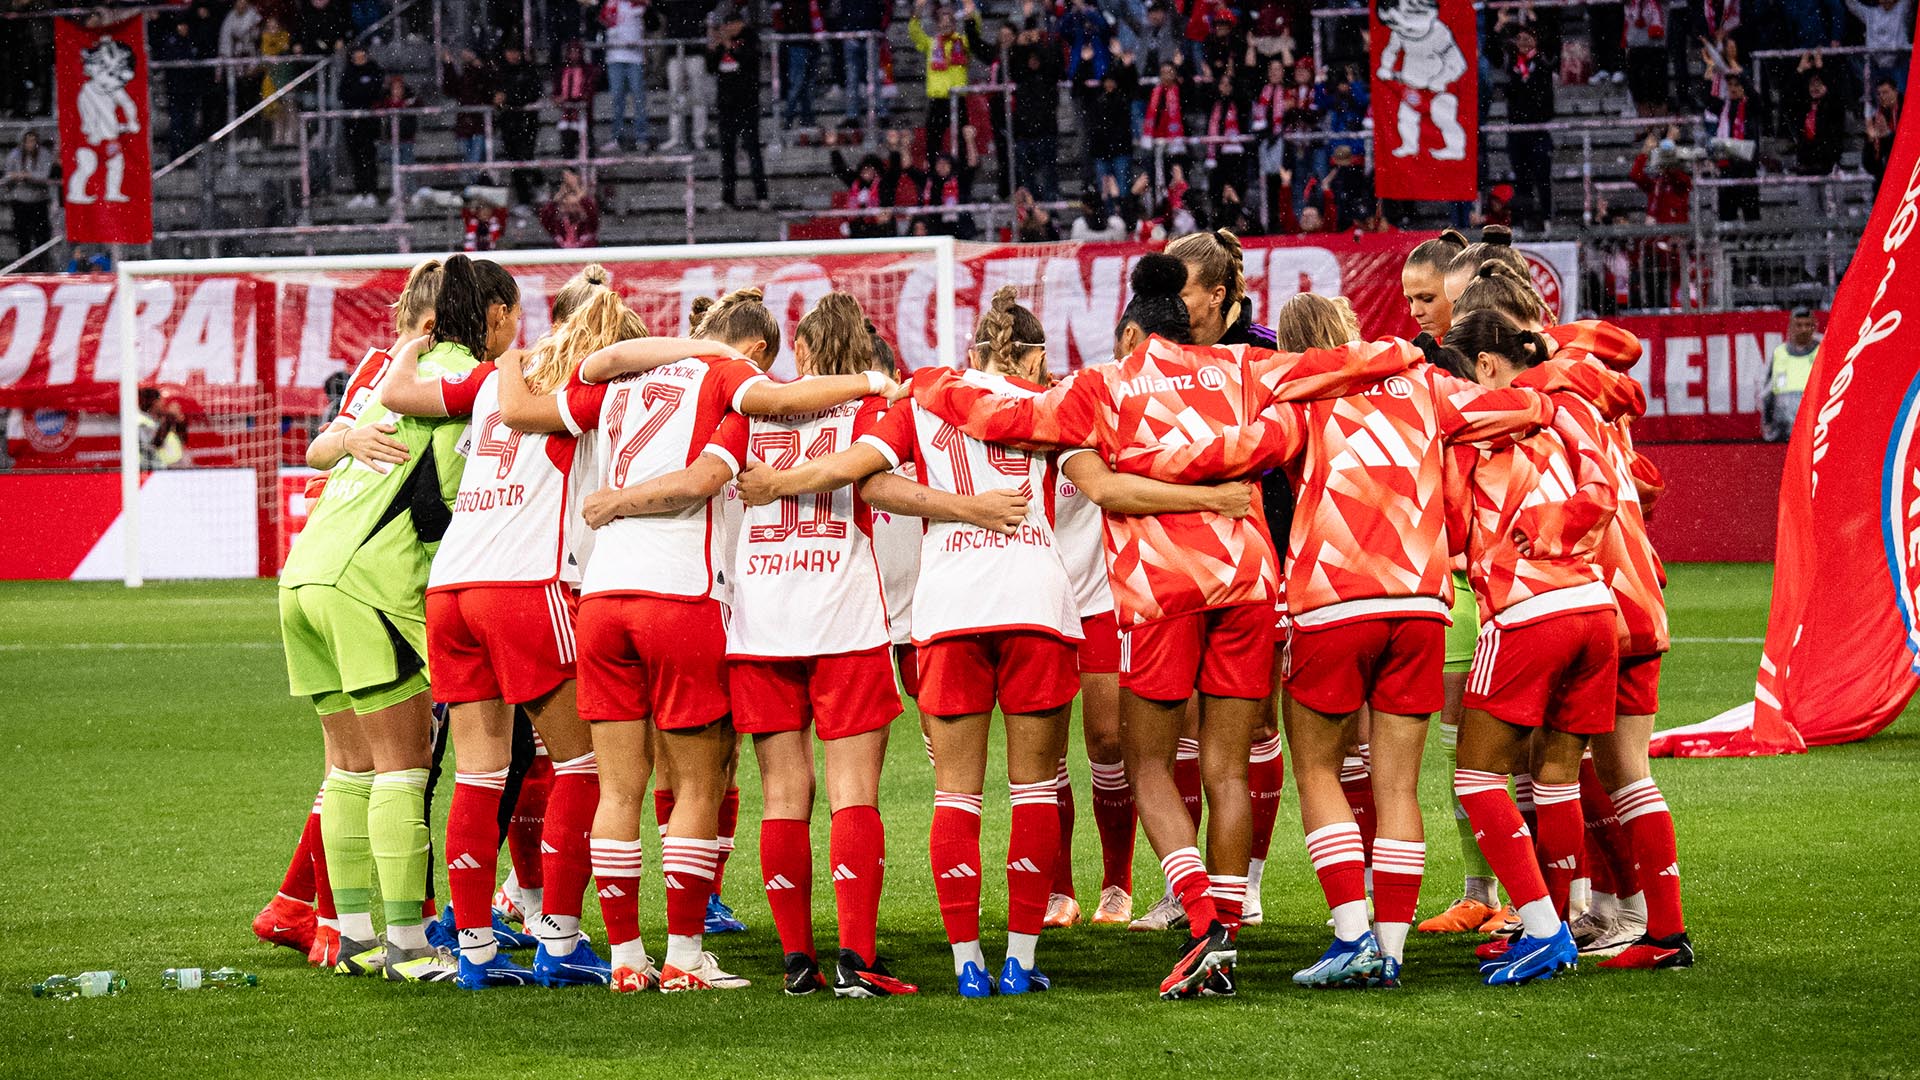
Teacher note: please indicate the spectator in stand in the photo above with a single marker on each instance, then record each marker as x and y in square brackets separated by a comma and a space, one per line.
[573, 93]
[240, 41]
[30, 183]
[1883, 119]
[733, 58]
[1227, 123]
[1530, 101]
[947, 182]
[997, 57]
[1736, 150]
[363, 83]
[1723, 24]
[626, 27]
[802, 57]
[1201, 17]
[282, 119]
[1311, 220]
[1350, 187]
[1661, 171]
[1341, 96]
[187, 88]
[1108, 110]
[1165, 123]
[1498, 207]
[945, 50]
[1032, 223]
[483, 222]
[1271, 36]
[1607, 33]
[1036, 115]
[1307, 158]
[860, 17]
[322, 28]
[1647, 81]
[469, 82]
[1158, 42]
[1098, 222]
[1225, 49]
[871, 186]
[689, 80]
[572, 216]
[1889, 26]
[1085, 35]
[518, 91]
[1819, 122]
[400, 96]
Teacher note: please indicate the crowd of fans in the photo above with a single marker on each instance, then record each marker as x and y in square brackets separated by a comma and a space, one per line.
[1185, 113]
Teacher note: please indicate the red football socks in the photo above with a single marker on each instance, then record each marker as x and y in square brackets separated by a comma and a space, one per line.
[1656, 861]
[953, 845]
[1113, 815]
[1502, 833]
[858, 849]
[565, 856]
[786, 869]
[473, 846]
[1033, 840]
[1063, 858]
[529, 823]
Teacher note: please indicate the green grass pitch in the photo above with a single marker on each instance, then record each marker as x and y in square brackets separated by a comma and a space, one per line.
[156, 774]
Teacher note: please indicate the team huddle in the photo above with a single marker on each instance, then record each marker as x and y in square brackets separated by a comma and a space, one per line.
[593, 564]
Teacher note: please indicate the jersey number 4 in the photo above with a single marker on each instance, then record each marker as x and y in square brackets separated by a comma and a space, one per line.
[491, 445]
[657, 403]
[781, 449]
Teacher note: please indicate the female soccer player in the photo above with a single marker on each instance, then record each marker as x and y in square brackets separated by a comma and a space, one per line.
[352, 612]
[1634, 916]
[1367, 600]
[651, 634]
[1194, 592]
[1547, 658]
[289, 919]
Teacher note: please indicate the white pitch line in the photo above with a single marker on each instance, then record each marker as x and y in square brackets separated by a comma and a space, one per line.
[128, 646]
[1719, 641]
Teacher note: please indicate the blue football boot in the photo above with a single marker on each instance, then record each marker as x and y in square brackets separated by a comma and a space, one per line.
[974, 982]
[1533, 958]
[720, 917]
[499, 971]
[1345, 963]
[509, 938]
[581, 967]
[440, 931]
[1015, 979]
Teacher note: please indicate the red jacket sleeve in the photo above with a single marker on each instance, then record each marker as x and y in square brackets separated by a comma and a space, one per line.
[1468, 412]
[1573, 527]
[1067, 415]
[1324, 373]
[1239, 451]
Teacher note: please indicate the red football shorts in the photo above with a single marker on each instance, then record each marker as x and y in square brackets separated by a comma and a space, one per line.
[508, 642]
[1638, 688]
[1100, 644]
[1560, 672]
[907, 661]
[1026, 671]
[1392, 664]
[646, 657]
[848, 694]
[1223, 652]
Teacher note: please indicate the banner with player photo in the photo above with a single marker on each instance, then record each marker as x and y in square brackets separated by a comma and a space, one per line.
[1842, 653]
[1426, 96]
[106, 155]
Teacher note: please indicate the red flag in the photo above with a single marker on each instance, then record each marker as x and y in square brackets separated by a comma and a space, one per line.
[1842, 655]
[1426, 100]
[100, 76]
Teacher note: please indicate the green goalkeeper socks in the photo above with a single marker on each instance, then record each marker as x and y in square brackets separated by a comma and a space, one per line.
[1471, 857]
[397, 824]
[343, 832]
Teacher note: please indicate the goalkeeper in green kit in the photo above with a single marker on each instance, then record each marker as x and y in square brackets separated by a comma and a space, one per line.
[353, 621]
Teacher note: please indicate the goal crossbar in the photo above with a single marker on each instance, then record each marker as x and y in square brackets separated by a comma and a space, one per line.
[940, 248]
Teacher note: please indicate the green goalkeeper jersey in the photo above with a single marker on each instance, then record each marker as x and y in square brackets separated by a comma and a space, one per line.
[361, 537]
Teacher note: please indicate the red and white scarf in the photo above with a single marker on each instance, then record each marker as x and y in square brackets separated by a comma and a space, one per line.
[949, 50]
[1269, 106]
[1164, 119]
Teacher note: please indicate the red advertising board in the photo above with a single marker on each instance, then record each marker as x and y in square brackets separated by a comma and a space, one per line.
[1426, 95]
[106, 152]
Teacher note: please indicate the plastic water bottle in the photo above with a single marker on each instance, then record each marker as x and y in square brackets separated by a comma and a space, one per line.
[85, 984]
[225, 978]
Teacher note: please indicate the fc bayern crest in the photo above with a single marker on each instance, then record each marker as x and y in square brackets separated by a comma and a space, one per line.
[1546, 279]
[1900, 512]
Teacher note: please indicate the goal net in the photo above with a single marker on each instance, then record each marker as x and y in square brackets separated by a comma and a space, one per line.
[238, 363]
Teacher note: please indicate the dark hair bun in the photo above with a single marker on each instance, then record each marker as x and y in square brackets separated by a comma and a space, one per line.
[1453, 237]
[1497, 235]
[1158, 275]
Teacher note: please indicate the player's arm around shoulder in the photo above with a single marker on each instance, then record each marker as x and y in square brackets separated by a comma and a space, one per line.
[637, 355]
[403, 391]
[1123, 493]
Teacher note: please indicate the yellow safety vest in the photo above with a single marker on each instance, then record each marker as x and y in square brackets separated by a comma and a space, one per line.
[1789, 371]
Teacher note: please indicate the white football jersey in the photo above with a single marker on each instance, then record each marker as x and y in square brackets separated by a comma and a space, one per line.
[510, 520]
[652, 424]
[805, 581]
[973, 579]
[896, 545]
[1079, 524]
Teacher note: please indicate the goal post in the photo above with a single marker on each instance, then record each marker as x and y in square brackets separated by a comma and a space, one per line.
[890, 274]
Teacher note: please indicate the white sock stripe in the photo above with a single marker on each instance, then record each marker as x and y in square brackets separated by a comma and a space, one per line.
[489, 781]
[1365, 751]
[319, 799]
[957, 800]
[1333, 844]
[1180, 863]
[1352, 769]
[1338, 831]
[1406, 857]
[1186, 750]
[1109, 777]
[584, 765]
[1264, 751]
[725, 844]
[415, 779]
[1555, 794]
[1061, 777]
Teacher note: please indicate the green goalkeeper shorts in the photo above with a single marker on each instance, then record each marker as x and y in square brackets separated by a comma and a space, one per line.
[345, 654]
[1466, 626]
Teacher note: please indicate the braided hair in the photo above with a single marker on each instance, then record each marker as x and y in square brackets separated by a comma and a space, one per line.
[1008, 335]
[737, 318]
[1497, 286]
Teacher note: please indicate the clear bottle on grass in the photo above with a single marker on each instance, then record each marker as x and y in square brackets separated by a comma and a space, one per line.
[225, 978]
[85, 984]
